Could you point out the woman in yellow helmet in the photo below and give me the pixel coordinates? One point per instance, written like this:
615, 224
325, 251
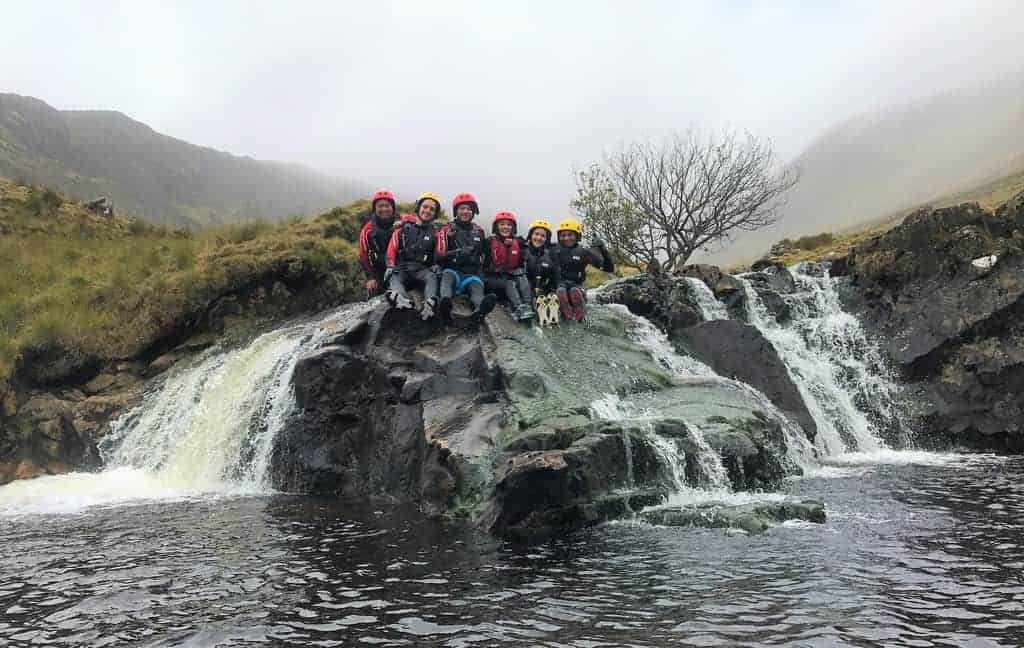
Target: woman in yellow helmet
573, 259
542, 271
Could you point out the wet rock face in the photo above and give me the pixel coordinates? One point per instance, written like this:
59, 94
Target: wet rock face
380, 413
945, 292
497, 423
737, 350
45, 432
751, 518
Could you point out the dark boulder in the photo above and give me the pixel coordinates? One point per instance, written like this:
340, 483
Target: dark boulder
740, 351
944, 291
665, 300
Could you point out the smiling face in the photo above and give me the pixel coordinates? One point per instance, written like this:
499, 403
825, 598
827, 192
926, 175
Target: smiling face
538, 237
383, 209
464, 213
567, 238
504, 228
428, 210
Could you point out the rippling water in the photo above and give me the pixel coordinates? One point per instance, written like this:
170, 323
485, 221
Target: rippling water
924, 550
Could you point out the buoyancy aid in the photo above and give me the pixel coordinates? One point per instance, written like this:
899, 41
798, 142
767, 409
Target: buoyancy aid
412, 245
541, 269
468, 237
506, 254
373, 244
573, 262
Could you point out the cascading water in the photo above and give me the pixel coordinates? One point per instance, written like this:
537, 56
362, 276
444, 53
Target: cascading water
206, 428
661, 349
710, 308
838, 370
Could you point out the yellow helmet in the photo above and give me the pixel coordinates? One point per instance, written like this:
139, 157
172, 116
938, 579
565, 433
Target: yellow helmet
428, 195
572, 225
543, 224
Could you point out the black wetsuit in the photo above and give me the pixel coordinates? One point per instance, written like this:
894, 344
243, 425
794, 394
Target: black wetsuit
411, 255
573, 262
542, 271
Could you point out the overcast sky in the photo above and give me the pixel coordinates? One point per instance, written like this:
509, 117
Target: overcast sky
503, 99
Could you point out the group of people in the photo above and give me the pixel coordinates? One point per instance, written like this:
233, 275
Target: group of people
444, 261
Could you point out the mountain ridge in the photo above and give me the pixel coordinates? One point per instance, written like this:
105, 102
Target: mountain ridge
86, 153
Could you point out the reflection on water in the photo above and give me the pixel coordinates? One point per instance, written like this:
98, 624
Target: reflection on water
917, 554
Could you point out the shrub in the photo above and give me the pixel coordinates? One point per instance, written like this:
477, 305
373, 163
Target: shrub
138, 227
814, 242
51, 201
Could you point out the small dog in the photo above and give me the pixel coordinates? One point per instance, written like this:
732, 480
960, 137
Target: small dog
547, 310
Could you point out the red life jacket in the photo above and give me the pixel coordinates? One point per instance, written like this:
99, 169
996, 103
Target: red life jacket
505, 255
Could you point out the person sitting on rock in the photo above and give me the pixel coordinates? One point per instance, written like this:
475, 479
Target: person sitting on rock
410, 256
506, 270
573, 259
542, 272
462, 251
374, 239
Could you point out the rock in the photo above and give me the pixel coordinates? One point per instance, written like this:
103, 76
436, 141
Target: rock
666, 300
740, 351
944, 292
99, 384
163, 363
723, 285
752, 518
50, 364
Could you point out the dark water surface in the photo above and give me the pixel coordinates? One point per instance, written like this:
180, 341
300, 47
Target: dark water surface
912, 555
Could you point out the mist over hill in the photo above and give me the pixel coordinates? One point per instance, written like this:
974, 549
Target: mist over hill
88, 153
873, 165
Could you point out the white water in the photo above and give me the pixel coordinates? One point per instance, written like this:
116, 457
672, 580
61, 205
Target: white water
207, 429
711, 308
829, 359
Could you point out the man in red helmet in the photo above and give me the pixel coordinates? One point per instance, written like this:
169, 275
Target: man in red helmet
462, 252
506, 271
410, 258
374, 239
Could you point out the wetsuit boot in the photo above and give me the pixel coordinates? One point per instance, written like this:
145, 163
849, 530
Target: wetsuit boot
564, 306
485, 307
444, 309
579, 304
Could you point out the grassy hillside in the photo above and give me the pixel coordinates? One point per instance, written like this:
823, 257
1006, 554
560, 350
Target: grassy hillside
103, 153
111, 288
989, 195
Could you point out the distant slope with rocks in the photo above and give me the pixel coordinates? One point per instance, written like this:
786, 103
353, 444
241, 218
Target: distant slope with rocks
88, 153
873, 165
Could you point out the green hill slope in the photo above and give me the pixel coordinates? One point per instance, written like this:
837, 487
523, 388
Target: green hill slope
102, 153
79, 289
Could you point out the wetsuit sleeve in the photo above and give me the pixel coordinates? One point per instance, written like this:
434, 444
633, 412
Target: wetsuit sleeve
393, 248
364, 249
441, 252
599, 260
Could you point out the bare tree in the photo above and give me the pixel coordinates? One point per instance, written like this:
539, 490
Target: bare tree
664, 201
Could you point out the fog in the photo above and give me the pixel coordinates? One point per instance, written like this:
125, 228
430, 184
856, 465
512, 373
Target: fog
501, 99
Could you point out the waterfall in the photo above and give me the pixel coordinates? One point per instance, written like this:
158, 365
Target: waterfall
837, 370
213, 423
207, 426
710, 308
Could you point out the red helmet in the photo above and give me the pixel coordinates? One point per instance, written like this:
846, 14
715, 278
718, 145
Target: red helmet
382, 194
500, 216
464, 197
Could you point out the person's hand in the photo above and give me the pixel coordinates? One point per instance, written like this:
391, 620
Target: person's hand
371, 285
